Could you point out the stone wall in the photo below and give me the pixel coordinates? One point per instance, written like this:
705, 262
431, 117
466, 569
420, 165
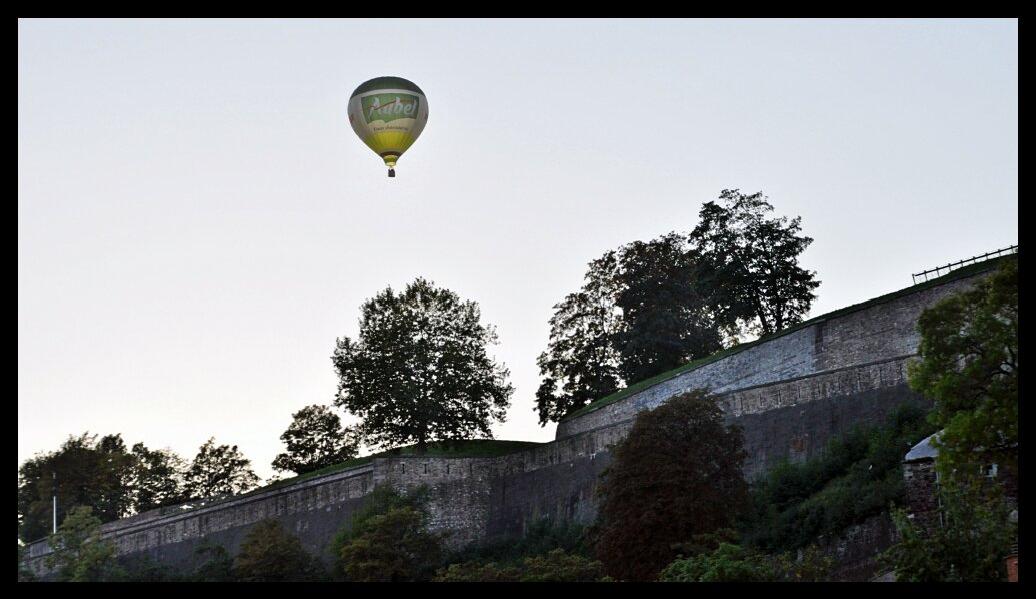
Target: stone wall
879, 331
790, 394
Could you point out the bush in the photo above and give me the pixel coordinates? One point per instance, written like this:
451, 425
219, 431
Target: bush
270, 554
388, 540
79, 553
676, 475
214, 564
541, 536
857, 476
554, 566
733, 563
478, 572
968, 545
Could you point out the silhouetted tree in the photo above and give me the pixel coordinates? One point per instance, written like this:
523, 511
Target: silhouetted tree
666, 314
642, 310
676, 476
751, 262
87, 472
156, 478
218, 470
316, 439
581, 355
419, 370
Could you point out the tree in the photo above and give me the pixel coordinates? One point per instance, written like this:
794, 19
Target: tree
581, 355
667, 314
156, 478
388, 540
79, 554
642, 310
419, 370
86, 472
751, 262
218, 470
968, 545
676, 475
316, 439
270, 554
969, 366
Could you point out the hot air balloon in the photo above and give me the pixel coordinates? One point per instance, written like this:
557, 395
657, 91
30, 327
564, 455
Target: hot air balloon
388, 113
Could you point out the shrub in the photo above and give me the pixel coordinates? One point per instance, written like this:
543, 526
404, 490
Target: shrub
388, 540
676, 475
270, 554
856, 477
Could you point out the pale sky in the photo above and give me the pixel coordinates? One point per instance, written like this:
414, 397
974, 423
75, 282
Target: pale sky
197, 221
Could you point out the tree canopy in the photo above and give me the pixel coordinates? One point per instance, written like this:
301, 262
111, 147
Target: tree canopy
419, 370
650, 306
218, 470
969, 366
316, 439
675, 476
87, 471
750, 262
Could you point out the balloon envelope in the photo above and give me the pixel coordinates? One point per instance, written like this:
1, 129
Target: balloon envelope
388, 114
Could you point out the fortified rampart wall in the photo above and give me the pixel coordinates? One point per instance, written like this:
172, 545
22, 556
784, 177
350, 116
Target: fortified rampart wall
790, 394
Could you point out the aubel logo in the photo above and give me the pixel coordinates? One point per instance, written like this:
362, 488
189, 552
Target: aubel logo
389, 107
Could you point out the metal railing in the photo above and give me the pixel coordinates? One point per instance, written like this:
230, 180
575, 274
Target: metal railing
941, 270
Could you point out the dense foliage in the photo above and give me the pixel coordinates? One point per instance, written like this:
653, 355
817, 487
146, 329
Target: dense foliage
388, 539
218, 470
732, 563
419, 370
540, 537
156, 478
212, 563
969, 367
750, 262
857, 476
271, 554
676, 475
973, 536
648, 307
79, 554
85, 472
556, 565
316, 439
581, 357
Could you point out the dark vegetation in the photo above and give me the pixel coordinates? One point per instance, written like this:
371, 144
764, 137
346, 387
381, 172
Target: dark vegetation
969, 367
857, 476
676, 475
650, 306
673, 505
